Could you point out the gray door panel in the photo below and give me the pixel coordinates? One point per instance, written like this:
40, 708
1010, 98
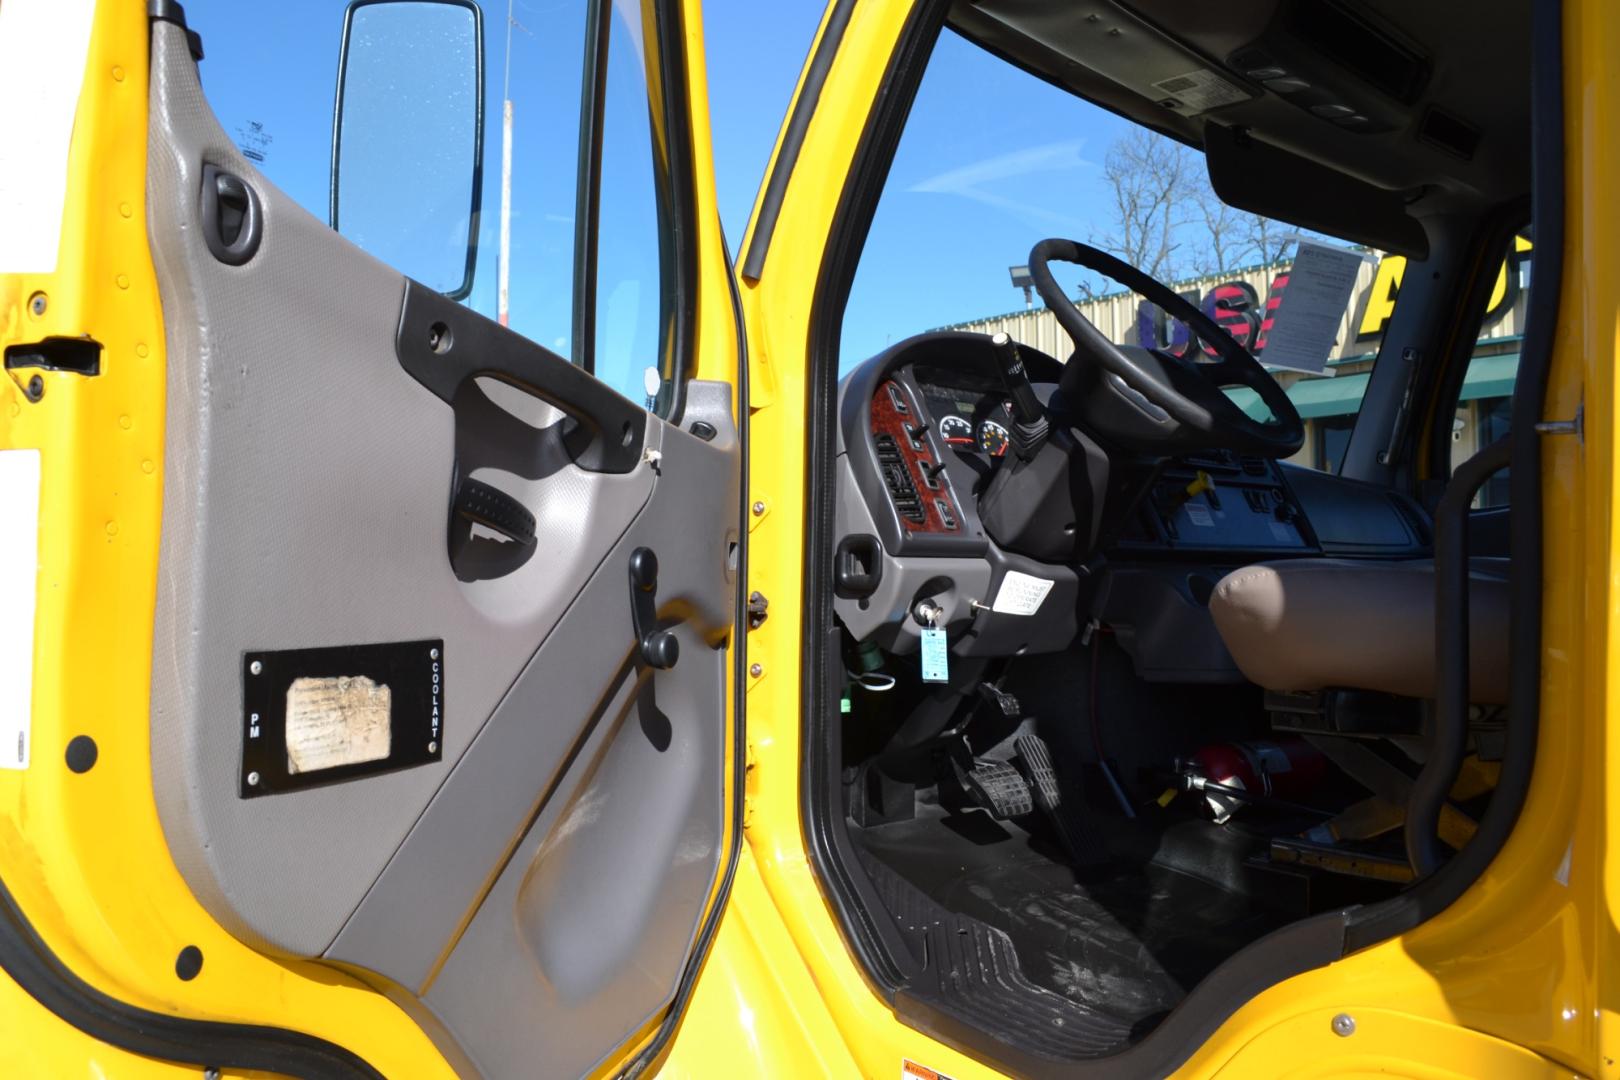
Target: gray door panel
476, 823
578, 798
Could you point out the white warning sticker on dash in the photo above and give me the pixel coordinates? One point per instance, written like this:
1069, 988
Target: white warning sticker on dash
1020, 594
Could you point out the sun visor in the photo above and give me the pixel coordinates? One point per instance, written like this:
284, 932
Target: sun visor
1262, 179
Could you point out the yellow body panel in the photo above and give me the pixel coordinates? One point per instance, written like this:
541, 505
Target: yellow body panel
1506, 981
85, 854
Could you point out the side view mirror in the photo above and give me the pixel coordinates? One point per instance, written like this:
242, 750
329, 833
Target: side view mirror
408, 137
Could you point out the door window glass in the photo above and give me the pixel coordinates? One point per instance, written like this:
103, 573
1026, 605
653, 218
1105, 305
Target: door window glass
994, 159
632, 318
270, 81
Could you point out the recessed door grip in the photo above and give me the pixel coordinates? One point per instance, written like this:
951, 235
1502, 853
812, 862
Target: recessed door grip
657, 648
232, 219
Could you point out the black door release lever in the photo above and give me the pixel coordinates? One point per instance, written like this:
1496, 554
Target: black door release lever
657, 648
232, 219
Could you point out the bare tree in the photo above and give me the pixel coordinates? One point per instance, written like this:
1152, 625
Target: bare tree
1267, 238
1167, 219
1147, 176
1225, 231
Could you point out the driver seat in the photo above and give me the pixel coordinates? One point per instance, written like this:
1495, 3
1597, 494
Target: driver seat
1316, 624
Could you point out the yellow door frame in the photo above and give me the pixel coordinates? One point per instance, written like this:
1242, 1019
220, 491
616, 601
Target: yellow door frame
1512, 978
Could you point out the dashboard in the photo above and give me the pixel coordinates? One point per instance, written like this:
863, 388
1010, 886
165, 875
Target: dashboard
968, 409
923, 430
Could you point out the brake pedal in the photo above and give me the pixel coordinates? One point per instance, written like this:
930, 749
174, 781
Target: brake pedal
999, 788
1082, 845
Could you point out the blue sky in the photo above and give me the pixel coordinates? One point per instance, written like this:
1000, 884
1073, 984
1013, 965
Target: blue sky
992, 160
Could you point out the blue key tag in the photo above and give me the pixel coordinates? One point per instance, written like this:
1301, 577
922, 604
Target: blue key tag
936, 662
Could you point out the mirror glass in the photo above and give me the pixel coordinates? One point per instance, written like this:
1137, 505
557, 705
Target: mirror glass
408, 136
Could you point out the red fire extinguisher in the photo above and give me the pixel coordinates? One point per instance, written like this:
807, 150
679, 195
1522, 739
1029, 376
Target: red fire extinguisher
1287, 769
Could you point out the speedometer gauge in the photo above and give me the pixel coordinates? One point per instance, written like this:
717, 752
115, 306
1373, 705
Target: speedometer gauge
956, 431
992, 438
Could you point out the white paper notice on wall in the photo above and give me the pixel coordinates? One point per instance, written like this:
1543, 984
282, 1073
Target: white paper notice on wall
1306, 326
19, 554
1020, 594
43, 45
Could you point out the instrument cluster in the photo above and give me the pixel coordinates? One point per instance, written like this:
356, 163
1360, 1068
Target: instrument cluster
969, 408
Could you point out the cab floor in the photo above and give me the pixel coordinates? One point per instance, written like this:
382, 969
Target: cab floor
1124, 939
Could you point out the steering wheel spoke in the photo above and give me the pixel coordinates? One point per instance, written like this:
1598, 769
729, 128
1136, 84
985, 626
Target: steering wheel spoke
1192, 396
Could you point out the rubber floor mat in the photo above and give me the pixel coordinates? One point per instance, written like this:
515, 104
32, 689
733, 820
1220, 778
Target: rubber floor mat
1128, 941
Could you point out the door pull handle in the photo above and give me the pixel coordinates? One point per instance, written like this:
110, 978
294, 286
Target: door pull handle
232, 218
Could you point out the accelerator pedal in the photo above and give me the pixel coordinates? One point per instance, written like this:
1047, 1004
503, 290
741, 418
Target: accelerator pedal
999, 788
1083, 846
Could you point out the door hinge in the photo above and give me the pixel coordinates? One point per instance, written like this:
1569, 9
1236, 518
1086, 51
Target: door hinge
757, 605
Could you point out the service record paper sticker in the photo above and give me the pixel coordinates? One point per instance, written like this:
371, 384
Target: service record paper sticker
340, 720
1020, 594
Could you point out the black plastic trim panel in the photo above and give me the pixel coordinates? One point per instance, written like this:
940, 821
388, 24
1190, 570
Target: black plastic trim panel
587, 179
443, 344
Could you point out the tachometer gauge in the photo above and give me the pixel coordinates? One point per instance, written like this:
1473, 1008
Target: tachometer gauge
992, 438
956, 431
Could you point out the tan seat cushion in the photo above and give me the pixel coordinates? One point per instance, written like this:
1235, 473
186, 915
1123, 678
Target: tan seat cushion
1311, 624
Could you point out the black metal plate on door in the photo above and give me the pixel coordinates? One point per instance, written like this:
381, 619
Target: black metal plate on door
342, 699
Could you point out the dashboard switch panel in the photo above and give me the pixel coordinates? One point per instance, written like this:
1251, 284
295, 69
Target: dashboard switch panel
908, 469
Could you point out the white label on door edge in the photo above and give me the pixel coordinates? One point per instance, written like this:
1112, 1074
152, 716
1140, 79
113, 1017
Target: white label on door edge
19, 553
1020, 594
43, 45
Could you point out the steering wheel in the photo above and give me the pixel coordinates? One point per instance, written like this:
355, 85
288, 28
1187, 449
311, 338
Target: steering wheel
1189, 391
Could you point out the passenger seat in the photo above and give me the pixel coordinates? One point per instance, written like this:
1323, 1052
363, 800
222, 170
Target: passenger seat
1314, 624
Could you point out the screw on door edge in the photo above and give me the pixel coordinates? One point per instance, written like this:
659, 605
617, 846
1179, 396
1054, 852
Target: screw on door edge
1344, 1025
